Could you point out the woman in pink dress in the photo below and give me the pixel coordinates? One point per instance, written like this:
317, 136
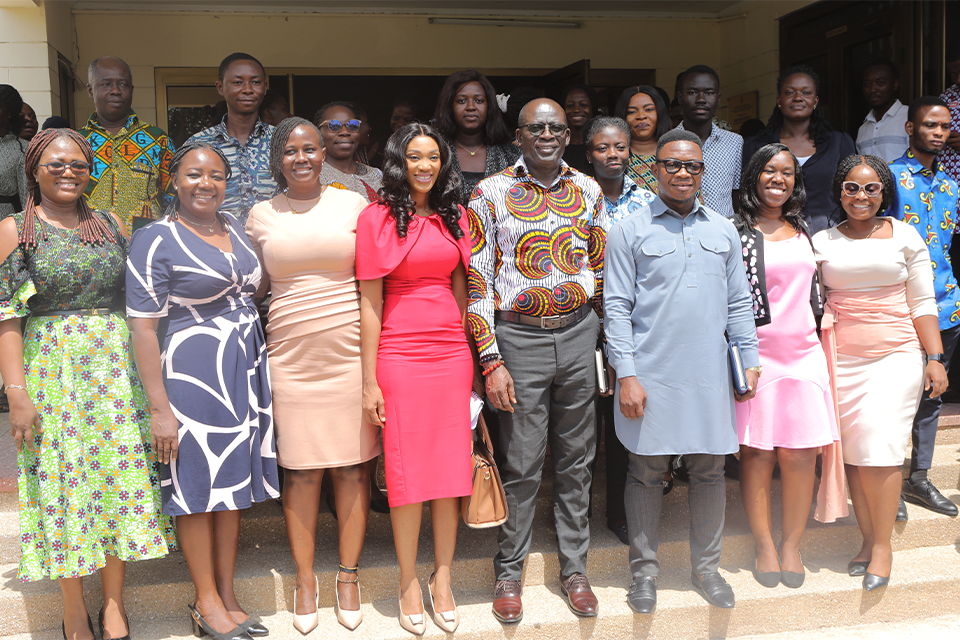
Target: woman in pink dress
792, 415
413, 249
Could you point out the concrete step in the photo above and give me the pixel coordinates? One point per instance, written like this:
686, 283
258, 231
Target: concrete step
925, 583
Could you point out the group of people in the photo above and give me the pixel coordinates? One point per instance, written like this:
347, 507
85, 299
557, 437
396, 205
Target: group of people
143, 386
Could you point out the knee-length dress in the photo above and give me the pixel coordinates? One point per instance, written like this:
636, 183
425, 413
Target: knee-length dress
313, 330
793, 408
875, 288
424, 364
91, 489
214, 365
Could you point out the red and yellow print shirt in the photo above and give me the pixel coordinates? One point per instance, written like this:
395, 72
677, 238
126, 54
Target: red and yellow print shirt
536, 249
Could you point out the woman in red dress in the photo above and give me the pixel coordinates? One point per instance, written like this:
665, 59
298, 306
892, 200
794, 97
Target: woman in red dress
413, 249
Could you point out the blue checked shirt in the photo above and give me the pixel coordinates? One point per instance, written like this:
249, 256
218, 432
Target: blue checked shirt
632, 198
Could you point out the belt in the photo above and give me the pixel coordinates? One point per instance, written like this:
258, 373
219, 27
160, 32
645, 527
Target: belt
77, 312
544, 322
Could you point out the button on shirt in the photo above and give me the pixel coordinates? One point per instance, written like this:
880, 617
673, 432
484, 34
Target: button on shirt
950, 157
537, 249
928, 200
722, 155
886, 138
633, 198
672, 286
251, 181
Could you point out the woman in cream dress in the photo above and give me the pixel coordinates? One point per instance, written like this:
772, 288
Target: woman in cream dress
880, 311
306, 239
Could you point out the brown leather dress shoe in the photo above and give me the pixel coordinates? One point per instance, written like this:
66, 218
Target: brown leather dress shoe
580, 596
506, 601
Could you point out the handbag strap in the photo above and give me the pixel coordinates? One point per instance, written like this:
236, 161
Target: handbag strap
484, 433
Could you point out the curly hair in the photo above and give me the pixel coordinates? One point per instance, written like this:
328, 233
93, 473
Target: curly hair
663, 112
820, 127
91, 228
878, 165
495, 131
749, 200
395, 189
278, 144
173, 209
11, 106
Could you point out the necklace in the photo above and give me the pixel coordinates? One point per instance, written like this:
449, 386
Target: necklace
472, 153
877, 225
196, 223
290, 204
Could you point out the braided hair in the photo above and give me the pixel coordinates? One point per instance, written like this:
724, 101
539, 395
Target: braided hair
173, 209
11, 106
278, 144
878, 165
395, 192
92, 229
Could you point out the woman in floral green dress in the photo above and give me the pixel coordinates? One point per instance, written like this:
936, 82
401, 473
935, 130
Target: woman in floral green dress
88, 478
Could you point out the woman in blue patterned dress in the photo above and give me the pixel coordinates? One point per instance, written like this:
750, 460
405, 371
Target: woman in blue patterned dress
88, 479
193, 274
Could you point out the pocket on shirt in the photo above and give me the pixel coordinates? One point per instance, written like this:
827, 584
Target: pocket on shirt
660, 259
713, 256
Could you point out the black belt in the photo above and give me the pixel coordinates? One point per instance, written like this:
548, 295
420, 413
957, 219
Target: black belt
544, 322
77, 312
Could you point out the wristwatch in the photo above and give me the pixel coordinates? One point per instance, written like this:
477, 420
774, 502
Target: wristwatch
935, 357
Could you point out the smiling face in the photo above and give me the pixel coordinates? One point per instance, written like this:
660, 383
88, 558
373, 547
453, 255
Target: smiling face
470, 107
67, 188
112, 90
423, 164
243, 86
678, 190
577, 108
642, 117
776, 181
861, 207
699, 97
798, 97
201, 182
609, 152
340, 145
302, 158
542, 152
929, 130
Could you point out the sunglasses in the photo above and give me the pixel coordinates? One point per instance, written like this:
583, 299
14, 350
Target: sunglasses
693, 167
537, 128
872, 189
335, 125
56, 168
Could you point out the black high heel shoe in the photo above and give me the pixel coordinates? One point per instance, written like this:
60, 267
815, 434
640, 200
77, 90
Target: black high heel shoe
103, 635
201, 628
63, 629
253, 627
871, 581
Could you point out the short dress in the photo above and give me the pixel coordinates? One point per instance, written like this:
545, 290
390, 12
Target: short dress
793, 407
424, 364
92, 488
313, 330
214, 365
875, 288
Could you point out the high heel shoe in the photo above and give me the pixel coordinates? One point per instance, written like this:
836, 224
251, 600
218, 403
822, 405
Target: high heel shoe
792, 579
446, 620
769, 579
307, 622
201, 628
63, 629
857, 568
871, 581
414, 623
103, 634
350, 619
254, 628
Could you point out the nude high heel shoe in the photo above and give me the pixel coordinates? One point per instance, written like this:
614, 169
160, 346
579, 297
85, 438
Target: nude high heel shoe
307, 622
350, 619
446, 620
414, 623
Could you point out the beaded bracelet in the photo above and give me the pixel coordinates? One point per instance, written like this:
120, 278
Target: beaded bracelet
16, 386
496, 365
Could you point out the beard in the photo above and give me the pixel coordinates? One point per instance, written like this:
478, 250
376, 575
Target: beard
928, 150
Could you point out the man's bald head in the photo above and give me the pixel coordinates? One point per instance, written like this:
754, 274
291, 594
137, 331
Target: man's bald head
111, 87
546, 105
112, 62
543, 136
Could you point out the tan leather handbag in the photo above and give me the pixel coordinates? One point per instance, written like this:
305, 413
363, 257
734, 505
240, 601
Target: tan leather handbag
487, 505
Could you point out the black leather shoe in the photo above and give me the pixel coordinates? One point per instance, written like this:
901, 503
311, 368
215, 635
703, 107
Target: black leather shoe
926, 495
254, 628
642, 597
714, 590
902, 510
857, 568
871, 582
619, 530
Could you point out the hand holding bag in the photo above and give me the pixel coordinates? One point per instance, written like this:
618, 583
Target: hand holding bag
487, 505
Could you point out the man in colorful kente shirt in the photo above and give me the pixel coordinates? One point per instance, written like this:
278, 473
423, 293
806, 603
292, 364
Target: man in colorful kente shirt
926, 197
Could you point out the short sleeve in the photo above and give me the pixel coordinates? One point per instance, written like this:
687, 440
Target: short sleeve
16, 287
148, 274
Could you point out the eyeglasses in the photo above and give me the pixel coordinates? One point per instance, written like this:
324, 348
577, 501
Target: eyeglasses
336, 125
537, 128
693, 167
56, 168
872, 189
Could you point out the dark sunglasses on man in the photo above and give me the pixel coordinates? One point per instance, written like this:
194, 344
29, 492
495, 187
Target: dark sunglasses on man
693, 167
56, 168
335, 125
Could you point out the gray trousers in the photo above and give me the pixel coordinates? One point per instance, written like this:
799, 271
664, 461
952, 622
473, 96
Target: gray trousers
555, 377
644, 498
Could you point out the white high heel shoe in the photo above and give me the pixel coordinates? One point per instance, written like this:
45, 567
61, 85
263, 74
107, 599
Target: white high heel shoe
446, 620
307, 622
414, 623
350, 619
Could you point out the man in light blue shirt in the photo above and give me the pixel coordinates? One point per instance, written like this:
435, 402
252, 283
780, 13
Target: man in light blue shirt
674, 283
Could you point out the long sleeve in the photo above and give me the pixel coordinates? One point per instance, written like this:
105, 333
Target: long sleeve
166, 189
740, 322
599, 223
480, 279
619, 300
920, 295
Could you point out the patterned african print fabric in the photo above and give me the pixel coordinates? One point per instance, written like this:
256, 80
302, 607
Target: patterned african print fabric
928, 200
131, 170
537, 249
251, 181
365, 182
632, 199
949, 157
214, 364
640, 170
91, 489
